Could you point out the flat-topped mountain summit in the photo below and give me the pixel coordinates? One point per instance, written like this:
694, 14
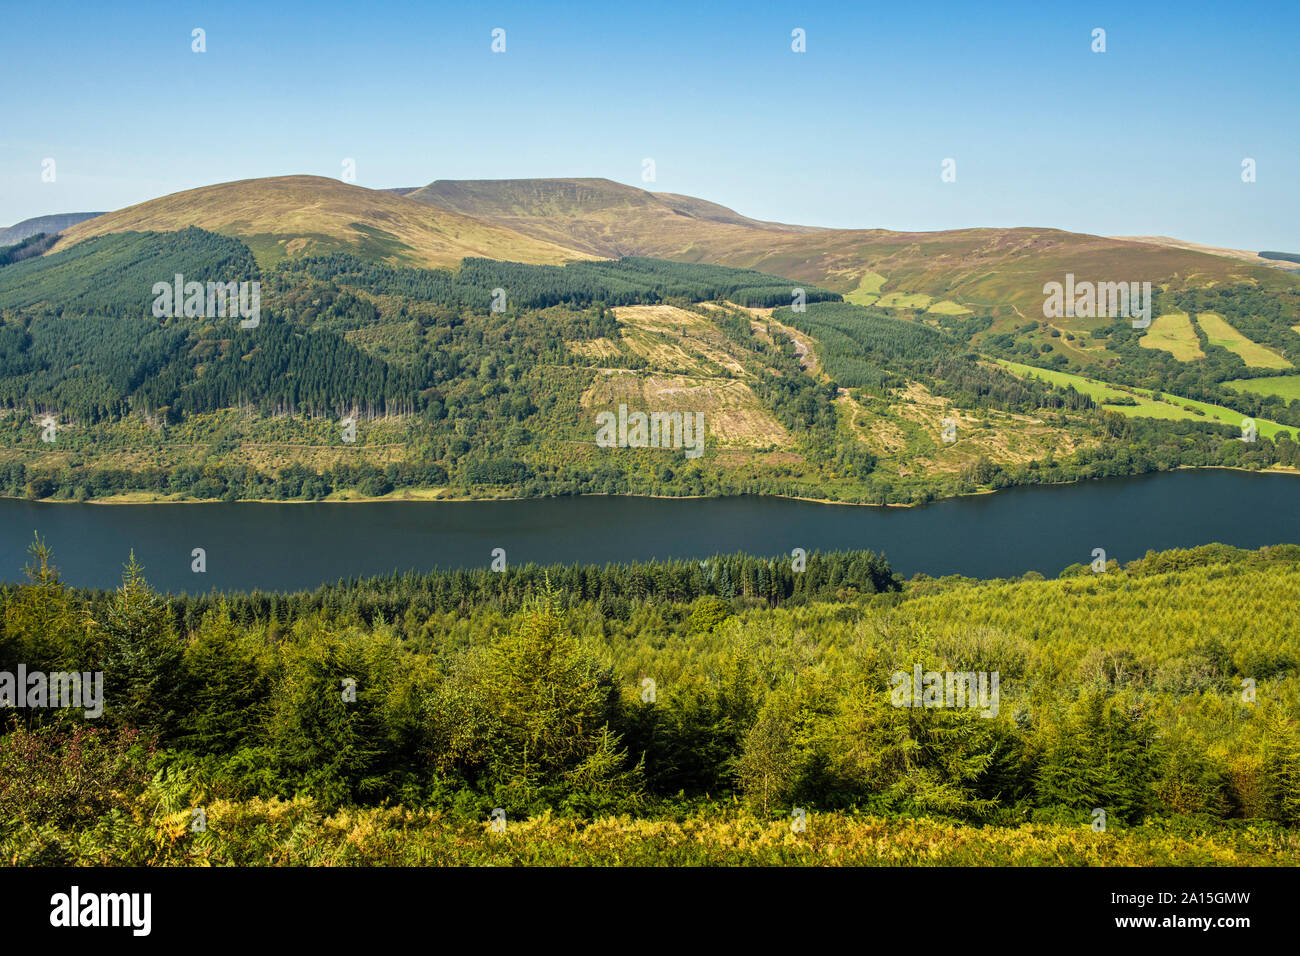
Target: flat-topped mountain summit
305, 215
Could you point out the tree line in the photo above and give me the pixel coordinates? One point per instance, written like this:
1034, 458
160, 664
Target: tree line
533, 698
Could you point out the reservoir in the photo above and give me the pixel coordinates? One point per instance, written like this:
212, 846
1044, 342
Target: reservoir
295, 546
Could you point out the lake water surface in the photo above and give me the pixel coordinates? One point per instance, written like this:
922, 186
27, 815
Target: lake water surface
297, 545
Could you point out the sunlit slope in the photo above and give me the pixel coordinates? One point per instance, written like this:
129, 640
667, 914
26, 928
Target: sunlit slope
558, 220
1254, 258
985, 268
601, 217
311, 215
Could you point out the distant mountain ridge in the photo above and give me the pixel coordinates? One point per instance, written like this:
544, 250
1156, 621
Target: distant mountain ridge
310, 215
551, 221
1273, 259
981, 267
48, 224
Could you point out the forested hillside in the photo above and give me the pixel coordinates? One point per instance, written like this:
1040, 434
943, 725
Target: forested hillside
362, 378
115, 275
35, 245
610, 712
627, 281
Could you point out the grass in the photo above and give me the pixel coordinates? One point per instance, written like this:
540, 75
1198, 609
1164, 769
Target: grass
948, 308
1152, 408
904, 300
1284, 386
1097, 391
1220, 333
868, 290
1173, 333
295, 215
1160, 405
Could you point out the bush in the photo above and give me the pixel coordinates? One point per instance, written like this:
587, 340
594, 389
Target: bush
67, 774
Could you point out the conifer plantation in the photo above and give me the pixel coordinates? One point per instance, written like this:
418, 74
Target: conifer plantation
674, 712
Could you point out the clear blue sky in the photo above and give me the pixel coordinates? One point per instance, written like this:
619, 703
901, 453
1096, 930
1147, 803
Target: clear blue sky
1147, 138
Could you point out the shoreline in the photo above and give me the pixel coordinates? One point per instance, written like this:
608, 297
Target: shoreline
433, 496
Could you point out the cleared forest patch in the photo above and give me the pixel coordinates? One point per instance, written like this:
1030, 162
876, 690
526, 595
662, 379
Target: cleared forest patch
670, 337
733, 414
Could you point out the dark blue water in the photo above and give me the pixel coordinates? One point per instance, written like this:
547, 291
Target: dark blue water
294, 546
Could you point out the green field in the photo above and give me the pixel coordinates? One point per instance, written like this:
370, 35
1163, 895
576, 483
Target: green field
1174, 334
1220, 333
1098, 391
1284, 386
904, 300
868, 290
1160, 405
948, 308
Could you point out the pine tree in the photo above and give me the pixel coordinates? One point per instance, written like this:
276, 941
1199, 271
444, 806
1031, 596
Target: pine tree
43, 628
142, 666
545, 708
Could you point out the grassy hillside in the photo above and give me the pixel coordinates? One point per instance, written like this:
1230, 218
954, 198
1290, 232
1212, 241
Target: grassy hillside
1284, 386
600, 217
1279, 260
302, 215
671, 713
978, 268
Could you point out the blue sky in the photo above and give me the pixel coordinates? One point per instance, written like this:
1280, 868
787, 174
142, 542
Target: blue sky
1146, 138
